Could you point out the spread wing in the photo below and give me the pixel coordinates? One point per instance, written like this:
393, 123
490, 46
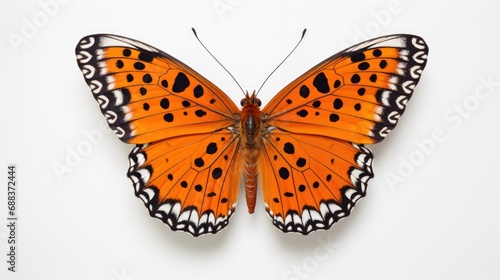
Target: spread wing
315, 166
185, 166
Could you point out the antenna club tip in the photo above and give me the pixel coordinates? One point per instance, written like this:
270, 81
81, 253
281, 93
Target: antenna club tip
194, 31
304, 32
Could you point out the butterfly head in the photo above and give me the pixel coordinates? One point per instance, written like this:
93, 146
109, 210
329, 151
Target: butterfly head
250, 99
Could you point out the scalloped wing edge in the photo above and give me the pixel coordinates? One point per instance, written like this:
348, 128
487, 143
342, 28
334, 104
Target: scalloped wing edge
169, 211
330, 211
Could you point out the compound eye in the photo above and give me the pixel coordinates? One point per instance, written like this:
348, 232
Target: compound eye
243, 102
257, 101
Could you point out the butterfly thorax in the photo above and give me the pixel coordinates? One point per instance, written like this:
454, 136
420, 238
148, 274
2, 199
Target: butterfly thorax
251, 137
250, 122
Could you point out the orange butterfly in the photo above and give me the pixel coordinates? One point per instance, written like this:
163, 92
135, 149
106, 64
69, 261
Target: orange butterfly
305, 148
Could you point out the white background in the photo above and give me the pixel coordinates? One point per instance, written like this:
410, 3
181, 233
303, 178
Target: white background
431, 212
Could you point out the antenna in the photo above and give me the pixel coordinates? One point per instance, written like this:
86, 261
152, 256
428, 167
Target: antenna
196, 35
301, 37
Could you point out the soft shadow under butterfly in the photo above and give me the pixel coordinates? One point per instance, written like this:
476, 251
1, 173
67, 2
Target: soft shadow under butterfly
304, 149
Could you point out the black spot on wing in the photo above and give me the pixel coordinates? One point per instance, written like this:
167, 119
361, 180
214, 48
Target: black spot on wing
181, 83
320, 82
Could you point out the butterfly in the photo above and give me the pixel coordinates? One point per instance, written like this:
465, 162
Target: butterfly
305, 149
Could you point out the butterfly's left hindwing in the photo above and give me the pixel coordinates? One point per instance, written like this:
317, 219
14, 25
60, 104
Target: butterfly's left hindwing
189, 182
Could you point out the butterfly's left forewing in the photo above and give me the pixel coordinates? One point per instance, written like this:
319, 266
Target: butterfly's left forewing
148, 95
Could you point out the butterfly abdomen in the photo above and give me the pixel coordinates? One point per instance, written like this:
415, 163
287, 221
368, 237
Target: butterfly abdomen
250, 176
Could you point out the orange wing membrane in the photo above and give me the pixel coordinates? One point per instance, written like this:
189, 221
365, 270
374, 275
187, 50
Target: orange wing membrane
305, 149
146, 94
315, 166
181, 121
189, 182
310, 182
357, 95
